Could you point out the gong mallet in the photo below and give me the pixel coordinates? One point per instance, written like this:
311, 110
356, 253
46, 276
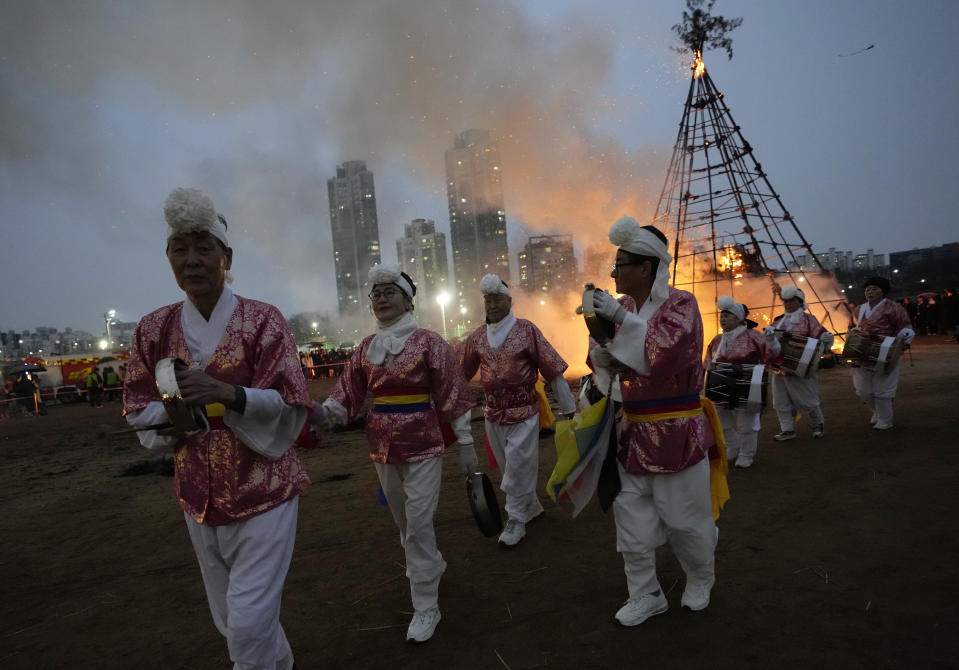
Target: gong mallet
106, 430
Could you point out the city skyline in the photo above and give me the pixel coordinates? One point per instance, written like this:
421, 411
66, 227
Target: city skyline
106, 108
477, 216
355, 232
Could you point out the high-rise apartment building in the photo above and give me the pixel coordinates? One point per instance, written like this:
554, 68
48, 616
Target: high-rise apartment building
474, 190
422, 255
547, 265
356, 235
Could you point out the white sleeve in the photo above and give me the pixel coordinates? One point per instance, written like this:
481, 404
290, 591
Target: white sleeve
152, 415
461, 426
907, 335
567, 402
268, 425
629, 345
336, 414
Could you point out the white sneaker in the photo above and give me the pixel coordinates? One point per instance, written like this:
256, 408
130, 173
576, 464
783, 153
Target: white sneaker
635, 612
818, 431
883, 425
743, 462
785, 435
512, 533
423, 624
696, 597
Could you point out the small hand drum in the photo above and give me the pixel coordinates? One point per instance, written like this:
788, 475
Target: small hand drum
483, 503
183, 417
600, 328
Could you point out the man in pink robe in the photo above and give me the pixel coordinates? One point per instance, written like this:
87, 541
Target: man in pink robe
880, 317
510, 354
237, 477
664, 437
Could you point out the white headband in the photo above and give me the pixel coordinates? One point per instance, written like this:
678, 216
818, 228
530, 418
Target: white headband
189, 210
727, 304
390, 274
490, 284
627, 234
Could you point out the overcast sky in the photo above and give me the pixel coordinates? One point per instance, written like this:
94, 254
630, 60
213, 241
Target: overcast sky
107, 105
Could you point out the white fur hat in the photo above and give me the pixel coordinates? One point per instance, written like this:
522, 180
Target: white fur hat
727, 304
493, 284
387, 273
791, 292
189, 210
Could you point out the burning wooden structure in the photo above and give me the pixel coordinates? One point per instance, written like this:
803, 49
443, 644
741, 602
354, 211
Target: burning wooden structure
729, 231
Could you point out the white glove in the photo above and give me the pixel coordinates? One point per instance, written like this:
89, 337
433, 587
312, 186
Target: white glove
607, 306
318, 418
467, 459
906, 335
769, 332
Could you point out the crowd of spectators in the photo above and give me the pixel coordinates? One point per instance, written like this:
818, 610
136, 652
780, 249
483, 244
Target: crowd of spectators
317, 363
934, 313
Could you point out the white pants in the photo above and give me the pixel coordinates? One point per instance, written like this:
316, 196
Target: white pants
412, 491
653, 509
792, 394
741, 429
516, 448
877, 390
244, 565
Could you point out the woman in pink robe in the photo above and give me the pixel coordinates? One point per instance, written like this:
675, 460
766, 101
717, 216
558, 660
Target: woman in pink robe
417, 386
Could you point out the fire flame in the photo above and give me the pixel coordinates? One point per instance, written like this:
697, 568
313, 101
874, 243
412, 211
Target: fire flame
698, 66
731, 262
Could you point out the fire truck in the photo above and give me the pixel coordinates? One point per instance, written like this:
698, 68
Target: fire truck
64, 378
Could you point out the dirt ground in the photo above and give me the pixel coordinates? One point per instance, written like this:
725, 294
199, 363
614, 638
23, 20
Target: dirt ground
836, 553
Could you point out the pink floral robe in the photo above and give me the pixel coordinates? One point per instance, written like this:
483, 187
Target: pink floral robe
674, 343
508, 374
427, 375
219, 480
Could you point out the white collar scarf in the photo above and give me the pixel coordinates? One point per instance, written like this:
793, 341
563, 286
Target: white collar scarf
202, 336
496, 333
391, 338
728, 338
790, 319
865, 311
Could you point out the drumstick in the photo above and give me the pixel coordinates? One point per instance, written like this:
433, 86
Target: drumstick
106, 430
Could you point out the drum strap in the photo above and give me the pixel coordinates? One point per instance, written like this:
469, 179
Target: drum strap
884, 348
807, 353
755, 399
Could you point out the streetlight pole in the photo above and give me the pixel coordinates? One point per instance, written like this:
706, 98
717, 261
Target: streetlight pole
442, 299
108, 317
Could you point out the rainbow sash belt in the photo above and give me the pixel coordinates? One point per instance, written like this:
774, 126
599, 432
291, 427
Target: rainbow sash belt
399, 400
658, 409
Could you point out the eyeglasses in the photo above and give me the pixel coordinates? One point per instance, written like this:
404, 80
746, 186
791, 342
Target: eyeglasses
388, 293
621, 265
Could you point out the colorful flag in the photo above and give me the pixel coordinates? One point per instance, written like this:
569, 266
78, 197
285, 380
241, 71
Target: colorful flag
581, 445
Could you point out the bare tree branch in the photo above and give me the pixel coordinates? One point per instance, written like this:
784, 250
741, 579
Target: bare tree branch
700, 28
